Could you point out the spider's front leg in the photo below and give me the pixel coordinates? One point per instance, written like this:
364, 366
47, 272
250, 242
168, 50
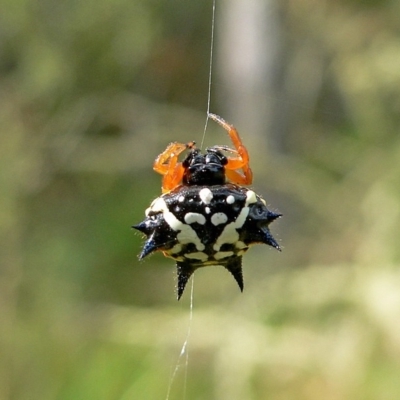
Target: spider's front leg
167, 164
241, 161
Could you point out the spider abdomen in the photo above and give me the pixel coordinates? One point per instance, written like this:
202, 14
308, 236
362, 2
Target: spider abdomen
206, 225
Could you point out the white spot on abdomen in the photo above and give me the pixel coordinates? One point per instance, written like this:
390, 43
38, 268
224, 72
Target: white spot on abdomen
230, 199
219, 218
241, 219
191, 218
176, 249
197, 256
251, 197
206, 195
223, 254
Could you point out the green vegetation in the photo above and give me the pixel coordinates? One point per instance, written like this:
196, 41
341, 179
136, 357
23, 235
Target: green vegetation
90, 93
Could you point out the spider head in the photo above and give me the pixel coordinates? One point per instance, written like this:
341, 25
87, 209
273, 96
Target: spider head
204, 169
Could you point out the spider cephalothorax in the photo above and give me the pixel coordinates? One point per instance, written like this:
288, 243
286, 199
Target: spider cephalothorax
207, 169
204, 216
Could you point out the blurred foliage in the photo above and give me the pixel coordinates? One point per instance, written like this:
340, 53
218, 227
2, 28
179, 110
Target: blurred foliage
90, 93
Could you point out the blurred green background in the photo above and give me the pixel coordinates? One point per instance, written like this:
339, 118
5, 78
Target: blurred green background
92, 91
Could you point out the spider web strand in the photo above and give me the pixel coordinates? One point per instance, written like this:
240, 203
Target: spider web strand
184, 350
209, 73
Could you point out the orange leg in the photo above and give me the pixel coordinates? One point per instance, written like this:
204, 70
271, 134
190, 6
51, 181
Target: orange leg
167, 164
241, 160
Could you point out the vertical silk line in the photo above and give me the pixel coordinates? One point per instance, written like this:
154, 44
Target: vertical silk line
187, 338
184, 350
209, 73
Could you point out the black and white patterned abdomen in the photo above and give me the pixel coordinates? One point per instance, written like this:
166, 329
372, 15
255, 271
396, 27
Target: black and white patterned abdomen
207, 225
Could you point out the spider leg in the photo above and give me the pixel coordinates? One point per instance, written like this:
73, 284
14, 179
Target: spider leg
239, 161
224, 148
167, 164
164, 160
236, 177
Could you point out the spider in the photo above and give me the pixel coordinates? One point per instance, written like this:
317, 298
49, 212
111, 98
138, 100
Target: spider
210, 169
205, 215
